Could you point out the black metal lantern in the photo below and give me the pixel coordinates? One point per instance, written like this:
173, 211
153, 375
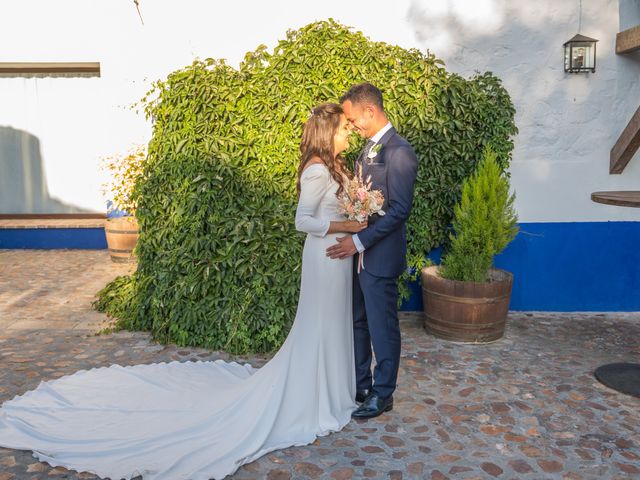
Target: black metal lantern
580, 54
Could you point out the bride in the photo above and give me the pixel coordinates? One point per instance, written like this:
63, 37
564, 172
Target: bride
204, 420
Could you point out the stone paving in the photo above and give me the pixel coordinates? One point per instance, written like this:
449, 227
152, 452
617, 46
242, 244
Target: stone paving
525, 407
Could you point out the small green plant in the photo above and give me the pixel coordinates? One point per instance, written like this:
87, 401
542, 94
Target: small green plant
117, 300
484, 223
124, 171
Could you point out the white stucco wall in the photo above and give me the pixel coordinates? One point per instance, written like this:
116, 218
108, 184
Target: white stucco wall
567, 123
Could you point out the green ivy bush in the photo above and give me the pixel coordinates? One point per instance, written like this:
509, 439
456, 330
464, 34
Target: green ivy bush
219, 257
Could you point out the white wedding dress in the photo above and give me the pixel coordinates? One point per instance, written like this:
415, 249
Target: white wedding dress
204, 420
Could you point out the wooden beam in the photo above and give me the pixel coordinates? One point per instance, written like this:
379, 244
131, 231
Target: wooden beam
628, 40
49, 69
626, 145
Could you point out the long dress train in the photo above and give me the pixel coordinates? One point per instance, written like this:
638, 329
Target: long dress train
202, 420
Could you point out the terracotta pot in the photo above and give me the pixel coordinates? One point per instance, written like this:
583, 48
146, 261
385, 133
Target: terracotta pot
467, 312
122, 235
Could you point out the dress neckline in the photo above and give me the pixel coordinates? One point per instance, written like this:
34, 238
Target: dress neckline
313, 165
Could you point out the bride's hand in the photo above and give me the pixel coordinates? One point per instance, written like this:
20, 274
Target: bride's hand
354, 226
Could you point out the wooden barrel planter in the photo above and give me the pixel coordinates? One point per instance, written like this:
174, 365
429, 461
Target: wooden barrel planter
122, 235
466, 311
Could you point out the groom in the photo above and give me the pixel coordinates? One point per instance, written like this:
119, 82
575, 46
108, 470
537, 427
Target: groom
392, 164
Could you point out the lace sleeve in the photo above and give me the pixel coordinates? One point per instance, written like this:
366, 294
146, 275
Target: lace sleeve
314, 183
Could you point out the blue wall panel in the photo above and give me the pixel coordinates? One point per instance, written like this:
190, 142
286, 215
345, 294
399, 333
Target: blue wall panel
52, 238
583, 266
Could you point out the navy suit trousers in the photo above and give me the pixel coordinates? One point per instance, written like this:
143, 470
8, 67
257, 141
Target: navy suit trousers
375, 321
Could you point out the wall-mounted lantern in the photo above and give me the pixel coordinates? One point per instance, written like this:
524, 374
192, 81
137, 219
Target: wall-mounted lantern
580, 54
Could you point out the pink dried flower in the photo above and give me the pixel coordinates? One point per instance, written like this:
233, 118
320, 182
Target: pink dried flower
358, 201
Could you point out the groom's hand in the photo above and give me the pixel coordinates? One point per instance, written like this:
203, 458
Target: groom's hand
343, 249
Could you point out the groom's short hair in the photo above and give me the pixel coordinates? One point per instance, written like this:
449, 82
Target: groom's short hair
364, 93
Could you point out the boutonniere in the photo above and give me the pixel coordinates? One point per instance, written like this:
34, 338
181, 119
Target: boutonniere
373, 153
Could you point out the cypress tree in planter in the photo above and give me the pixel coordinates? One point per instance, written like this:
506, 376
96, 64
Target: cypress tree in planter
466, 299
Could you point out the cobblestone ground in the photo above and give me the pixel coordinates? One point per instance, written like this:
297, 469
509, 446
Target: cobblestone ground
525, 407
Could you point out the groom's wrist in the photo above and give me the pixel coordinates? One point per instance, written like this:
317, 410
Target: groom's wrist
357, 243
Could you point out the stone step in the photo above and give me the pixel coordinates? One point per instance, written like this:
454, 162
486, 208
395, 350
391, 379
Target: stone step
51, 223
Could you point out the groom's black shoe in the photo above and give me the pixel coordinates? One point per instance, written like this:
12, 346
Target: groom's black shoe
361, 395
373, 406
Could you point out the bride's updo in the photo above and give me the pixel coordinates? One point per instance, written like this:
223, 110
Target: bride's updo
317, 141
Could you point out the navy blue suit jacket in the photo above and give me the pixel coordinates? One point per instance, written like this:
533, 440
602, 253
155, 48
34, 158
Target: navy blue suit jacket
393, 170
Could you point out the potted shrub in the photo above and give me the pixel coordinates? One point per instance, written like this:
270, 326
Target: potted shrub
465, 298
121, 227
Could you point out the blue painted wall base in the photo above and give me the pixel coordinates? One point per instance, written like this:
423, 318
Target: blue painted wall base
583, 266
587, 266
53, 238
